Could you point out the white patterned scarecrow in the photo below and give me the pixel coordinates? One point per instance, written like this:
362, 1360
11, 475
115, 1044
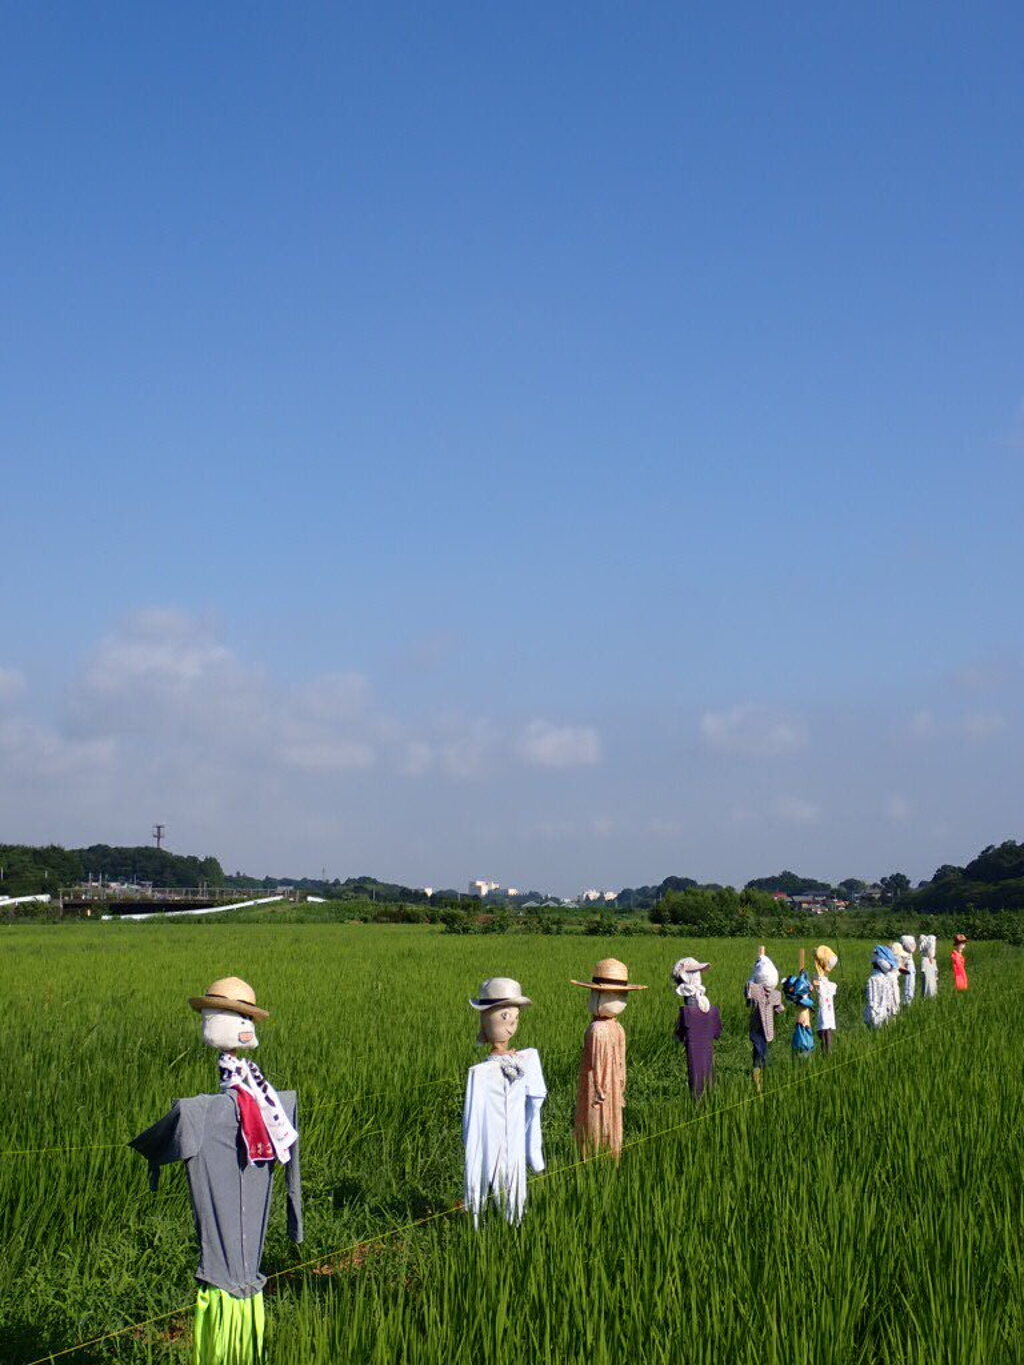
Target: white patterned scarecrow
929, 966
825, 962
230, 1144
878, 994
501, 1130
908, 967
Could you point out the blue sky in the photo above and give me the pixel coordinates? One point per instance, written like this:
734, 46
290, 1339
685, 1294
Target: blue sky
565, 444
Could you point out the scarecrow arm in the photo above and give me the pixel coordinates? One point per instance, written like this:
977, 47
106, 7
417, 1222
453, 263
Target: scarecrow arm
293, 1183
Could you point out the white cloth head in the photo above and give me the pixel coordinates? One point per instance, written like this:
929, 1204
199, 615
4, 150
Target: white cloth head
909, 943
686, 975
228, 1032
928, 945
765, 973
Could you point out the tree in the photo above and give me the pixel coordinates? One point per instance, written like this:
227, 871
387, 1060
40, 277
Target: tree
894, 886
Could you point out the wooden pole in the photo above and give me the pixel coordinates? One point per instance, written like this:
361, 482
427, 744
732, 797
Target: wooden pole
802, 959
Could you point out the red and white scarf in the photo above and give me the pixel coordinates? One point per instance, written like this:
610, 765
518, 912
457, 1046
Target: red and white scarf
265, 1126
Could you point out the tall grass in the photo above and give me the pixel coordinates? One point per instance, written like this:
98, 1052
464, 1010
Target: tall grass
866, 1209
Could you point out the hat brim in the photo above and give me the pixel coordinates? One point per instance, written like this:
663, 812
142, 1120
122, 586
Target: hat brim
520, 1000
226, 1006
603, 986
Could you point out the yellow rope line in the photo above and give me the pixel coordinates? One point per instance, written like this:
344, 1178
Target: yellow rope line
314, 1109
557, 1170
95, 1341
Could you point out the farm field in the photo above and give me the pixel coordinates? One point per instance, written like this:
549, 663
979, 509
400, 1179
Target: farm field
867, 1208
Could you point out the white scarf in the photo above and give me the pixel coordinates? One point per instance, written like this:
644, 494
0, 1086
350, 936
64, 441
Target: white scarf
239, 1074
691, 987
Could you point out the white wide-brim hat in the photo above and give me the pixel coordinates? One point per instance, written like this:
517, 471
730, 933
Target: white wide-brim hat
690, 964
500, 990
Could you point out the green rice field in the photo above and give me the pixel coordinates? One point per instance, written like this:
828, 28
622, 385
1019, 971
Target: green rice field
868, 1208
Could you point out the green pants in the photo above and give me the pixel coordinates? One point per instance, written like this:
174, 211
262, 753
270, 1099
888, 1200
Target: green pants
228, 1331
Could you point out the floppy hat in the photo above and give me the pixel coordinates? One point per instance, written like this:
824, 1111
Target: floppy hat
689, 964
500, 990
232, 995
959, 938
609, 975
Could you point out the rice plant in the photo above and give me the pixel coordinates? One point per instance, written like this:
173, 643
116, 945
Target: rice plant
866, 1208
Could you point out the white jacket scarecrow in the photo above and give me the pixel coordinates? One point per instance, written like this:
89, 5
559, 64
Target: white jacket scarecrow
230, 1144
908, 967
880, 1005
929, 967
501, 1129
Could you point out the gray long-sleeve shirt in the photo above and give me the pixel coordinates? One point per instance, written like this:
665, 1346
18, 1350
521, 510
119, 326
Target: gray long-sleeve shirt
230, 1198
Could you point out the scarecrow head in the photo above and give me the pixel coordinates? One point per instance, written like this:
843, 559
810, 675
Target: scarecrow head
609, 988
498, 1003
883, 959
909, 944
229, 1012
688, 983
825, 959
765, 972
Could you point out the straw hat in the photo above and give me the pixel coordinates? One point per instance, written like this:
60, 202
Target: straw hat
609, 975
500, 990
232, 995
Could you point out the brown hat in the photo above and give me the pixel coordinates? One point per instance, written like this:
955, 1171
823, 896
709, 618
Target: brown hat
959, 938
232, 995
609, 975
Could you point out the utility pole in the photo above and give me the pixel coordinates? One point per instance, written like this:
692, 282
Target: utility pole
158, 834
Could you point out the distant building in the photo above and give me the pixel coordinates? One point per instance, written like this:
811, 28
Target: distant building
483, 888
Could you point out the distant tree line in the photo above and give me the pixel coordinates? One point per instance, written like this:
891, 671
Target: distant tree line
991, 883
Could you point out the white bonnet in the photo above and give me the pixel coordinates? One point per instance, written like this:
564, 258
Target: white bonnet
765, 973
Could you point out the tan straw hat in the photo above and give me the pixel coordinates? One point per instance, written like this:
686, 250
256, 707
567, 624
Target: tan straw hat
232, 995
609, 975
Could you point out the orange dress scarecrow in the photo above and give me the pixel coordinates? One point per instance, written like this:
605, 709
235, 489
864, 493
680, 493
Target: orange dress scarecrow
601, 1096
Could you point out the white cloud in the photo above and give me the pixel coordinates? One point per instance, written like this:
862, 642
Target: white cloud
543, 745
329, 755
12, 684
794, 810
921, 724
417, 759
897, 808
470, 752
982, 725
753, 731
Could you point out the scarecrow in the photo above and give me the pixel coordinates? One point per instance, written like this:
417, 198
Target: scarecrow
893, 981
825, 961
601, 1095
765, 1002
929, 967
878, 1009
230, 1143
959, 962
501, 1129
797, 990
699, 1024
908, 967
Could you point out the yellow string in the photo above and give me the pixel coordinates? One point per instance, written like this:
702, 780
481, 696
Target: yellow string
558, 1170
